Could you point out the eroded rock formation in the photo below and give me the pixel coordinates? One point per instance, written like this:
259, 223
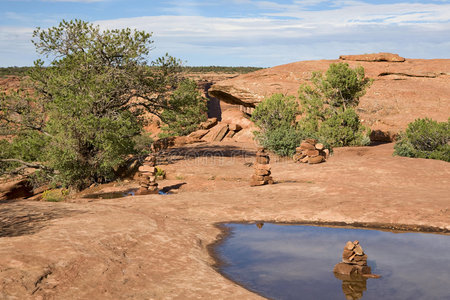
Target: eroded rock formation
400, 93
382, 56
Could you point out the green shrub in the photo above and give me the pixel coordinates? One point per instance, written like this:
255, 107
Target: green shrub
425, 138
186, 110
328, 106
56, 195
327, 112
275, 117
344, 129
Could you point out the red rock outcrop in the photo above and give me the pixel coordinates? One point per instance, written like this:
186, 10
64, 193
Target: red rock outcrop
400, 93
382, 56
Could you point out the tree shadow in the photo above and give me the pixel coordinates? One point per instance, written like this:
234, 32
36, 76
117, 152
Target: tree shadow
21, 218
170, 156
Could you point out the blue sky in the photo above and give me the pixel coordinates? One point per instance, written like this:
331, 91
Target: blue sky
244, 32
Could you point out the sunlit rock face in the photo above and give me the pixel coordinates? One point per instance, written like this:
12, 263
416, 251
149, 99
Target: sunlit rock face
401, 91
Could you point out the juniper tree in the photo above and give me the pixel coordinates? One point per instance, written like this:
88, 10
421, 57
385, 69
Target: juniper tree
85, 108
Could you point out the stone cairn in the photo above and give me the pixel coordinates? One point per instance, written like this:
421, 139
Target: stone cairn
312, 152
353, 271
354, 261
147, 177
262, 169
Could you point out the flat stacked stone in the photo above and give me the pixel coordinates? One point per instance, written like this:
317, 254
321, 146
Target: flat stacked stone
147, 177
354, 260
262, 169
312, 152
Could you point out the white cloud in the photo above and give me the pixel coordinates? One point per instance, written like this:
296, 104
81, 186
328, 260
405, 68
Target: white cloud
288, 33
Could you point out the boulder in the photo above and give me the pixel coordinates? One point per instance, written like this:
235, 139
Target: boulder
221, 134
15, 189
199, 133
217, 133
234, 127
211, 122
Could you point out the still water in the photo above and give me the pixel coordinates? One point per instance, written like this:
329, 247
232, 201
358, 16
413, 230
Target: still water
296, 262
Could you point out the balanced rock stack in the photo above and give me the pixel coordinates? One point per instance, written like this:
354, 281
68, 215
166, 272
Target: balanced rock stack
312, 152
354, 260
262, 169
147, 177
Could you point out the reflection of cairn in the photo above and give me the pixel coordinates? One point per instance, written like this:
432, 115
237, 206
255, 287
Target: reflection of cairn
147, 176
311, 152
262, 169
353, 286
354, 261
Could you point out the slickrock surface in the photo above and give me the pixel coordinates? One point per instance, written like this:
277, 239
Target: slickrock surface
156, 247
400, 93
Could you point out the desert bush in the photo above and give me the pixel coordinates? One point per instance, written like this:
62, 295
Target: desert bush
344, 129
425, 138
186, 109
326, 112
275, 117
328, 106
56, 195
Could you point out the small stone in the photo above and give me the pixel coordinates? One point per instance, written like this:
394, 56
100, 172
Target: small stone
262, 172
349, 246
258, 178
257, 182
261, 167
347, 253
319, 146
315, 160
146, 169
358, 250
312, 153
234, 127
262, 160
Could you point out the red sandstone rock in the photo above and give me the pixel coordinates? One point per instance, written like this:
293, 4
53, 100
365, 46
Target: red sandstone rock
389, 104
374, 57
209, 123
315, 160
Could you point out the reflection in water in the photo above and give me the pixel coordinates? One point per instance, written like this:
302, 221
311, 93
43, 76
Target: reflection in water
296, 262
353, 286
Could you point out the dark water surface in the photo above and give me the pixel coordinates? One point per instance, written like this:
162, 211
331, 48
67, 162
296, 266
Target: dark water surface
296, 262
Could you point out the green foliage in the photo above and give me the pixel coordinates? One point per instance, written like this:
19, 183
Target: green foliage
88, 105
160, 173
220, 69
186, 109
425, 138
343, 129
275, 117
327, 106
56, 195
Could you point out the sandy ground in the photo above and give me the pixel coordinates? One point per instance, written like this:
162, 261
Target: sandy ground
157, 247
